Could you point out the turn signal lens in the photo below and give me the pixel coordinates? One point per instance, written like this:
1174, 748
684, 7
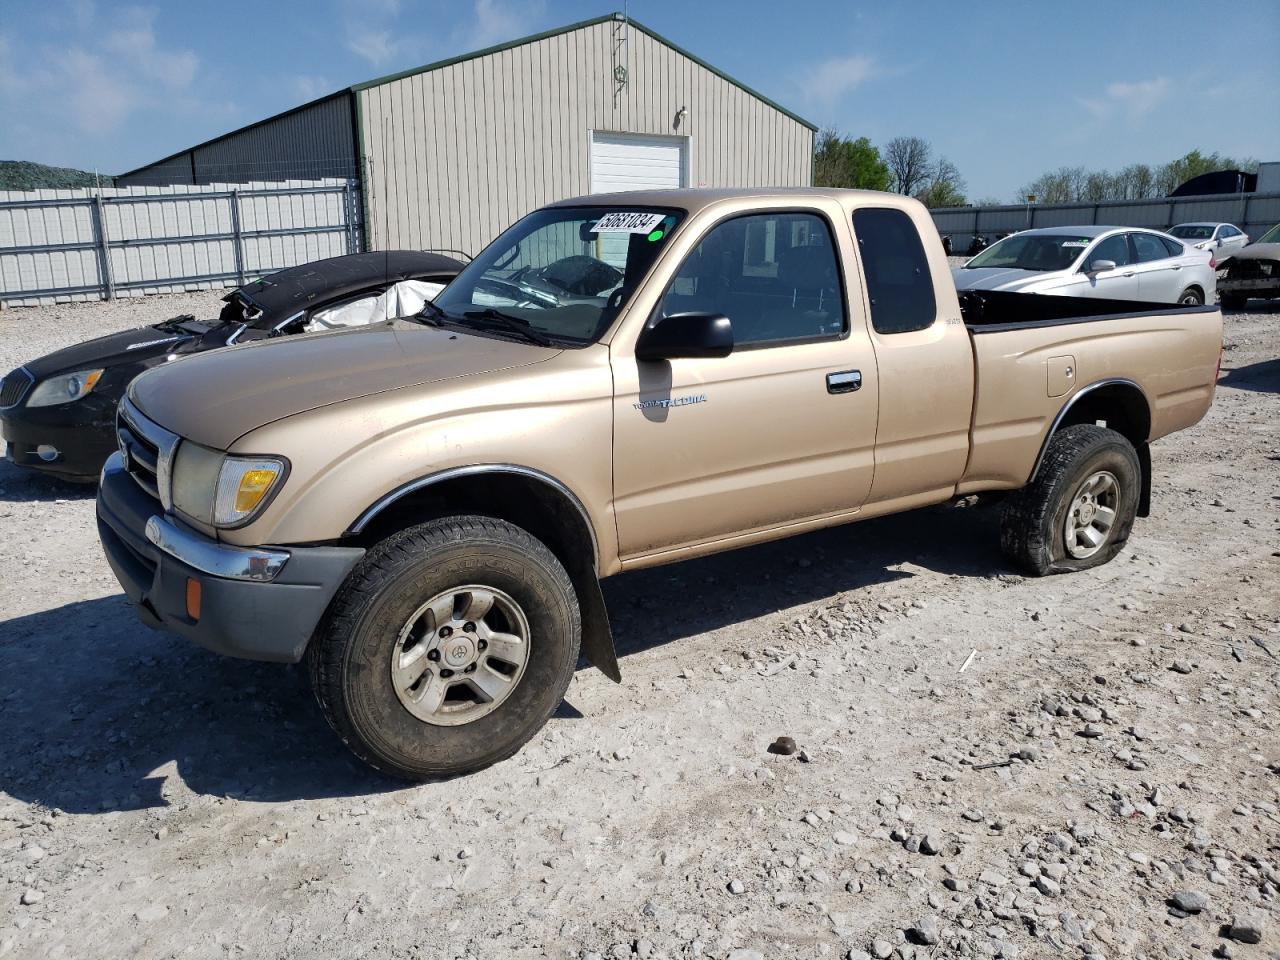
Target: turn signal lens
253, 487
243, 487
193, 598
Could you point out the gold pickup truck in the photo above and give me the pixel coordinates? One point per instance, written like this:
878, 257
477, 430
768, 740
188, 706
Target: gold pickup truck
423, 509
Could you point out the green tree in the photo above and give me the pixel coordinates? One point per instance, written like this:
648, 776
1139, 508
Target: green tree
842, 162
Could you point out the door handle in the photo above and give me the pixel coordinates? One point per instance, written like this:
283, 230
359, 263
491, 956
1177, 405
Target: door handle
1176, 266
1129, 274
846, 381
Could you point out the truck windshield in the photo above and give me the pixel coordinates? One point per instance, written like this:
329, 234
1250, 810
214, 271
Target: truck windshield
1271, 236
1032, 251
560, 275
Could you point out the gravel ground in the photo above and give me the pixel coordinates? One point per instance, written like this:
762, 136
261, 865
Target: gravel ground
989, 765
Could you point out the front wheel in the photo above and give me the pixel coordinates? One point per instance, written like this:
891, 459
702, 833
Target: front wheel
1078, 511
449, 646
1191, 297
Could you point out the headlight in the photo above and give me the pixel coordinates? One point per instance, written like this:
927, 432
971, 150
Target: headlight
221, 490
64, 388
243, 485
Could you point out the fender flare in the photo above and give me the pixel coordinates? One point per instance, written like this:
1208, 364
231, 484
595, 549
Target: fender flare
1066, 408
597, 635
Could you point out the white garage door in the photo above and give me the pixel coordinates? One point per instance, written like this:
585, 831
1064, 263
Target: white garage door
622, 161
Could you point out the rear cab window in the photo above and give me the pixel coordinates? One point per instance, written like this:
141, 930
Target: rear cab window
899, 283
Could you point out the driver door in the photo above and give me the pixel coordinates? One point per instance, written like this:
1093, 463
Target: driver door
717, 448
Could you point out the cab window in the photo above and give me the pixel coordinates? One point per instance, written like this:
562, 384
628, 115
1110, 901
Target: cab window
1147, 247
774, 275
899, 284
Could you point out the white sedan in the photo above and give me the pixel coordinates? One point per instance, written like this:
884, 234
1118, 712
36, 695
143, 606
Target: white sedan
1115, 263
1223, 239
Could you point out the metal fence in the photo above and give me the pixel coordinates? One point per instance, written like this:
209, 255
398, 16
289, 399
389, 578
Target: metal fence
61, 245
1253, 213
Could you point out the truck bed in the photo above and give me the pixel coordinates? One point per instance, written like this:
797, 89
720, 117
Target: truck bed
986, 309
1034, 354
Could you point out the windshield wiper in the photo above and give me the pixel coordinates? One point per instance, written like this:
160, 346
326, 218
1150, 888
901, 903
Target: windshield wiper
510, 324
430, 314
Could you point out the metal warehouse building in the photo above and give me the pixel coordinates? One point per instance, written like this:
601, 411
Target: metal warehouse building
449, 154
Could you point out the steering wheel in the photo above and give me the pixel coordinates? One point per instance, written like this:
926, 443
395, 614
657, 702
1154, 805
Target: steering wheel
517, 292
581, 275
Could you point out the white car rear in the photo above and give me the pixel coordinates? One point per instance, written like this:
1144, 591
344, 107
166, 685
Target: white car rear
1221, 239
1114, 263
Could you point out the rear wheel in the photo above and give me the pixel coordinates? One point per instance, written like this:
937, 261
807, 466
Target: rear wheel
1191, 297
1080, 508
448, 647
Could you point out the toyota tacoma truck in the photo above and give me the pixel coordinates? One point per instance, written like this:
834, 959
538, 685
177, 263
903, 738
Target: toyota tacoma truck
423, 509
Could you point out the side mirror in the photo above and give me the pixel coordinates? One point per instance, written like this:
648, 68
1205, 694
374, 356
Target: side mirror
686, 335
1102, 266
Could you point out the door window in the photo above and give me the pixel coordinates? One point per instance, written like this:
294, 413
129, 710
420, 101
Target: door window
1147, 247
775, 277
1113, 248
899, 284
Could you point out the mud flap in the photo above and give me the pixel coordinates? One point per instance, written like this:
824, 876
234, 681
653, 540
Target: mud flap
597, 636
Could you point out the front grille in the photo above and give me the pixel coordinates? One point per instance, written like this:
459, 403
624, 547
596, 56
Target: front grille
14, 387
147, 449
1253, 270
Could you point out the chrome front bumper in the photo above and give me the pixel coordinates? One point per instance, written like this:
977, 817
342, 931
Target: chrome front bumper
216, 559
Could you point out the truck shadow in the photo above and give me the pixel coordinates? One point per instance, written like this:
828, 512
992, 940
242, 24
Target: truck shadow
102, 714
650, 608
1260, 377
99, 711
26, 486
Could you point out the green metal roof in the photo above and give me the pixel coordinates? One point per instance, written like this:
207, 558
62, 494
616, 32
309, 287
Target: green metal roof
569, 29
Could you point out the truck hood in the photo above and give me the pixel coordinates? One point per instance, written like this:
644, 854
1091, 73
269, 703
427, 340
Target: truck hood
1004, 278
1256, 251
128, 346
214, 398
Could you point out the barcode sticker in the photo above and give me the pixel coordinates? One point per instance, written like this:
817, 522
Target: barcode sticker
627, 222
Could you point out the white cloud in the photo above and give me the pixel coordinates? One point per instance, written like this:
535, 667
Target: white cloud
832, 80
1134, 100
309, 86
92, 78
376, 46
98, 98
495, 21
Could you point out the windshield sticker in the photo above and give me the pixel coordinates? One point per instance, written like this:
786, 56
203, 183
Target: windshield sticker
627, 222
1075, 243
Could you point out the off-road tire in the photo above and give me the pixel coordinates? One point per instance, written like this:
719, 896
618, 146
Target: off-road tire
1032, 527
1191, 297
1232, 301
349, 659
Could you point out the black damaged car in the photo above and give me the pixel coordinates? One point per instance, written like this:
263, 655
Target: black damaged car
57, 413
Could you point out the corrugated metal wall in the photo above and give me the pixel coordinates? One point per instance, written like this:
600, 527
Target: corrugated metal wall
313, 142
58, 245
1253, 213
457, 153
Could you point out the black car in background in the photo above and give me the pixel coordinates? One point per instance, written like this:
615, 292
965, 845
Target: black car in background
57, 413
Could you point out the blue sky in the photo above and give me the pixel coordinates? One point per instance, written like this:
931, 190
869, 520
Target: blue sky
1005, 90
